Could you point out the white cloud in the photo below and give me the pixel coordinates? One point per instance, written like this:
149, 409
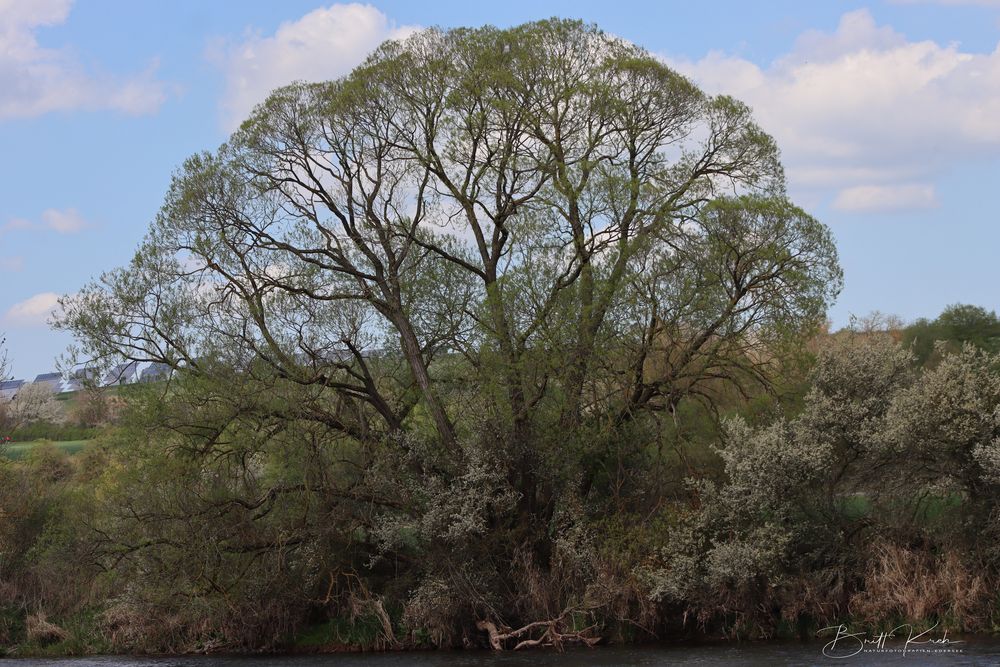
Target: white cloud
886, 198
15, 224
863, 107
62, 221
35, 80
34, 311
65, 221
324, 44
11, 263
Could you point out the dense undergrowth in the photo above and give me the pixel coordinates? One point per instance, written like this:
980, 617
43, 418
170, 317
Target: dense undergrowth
874, 501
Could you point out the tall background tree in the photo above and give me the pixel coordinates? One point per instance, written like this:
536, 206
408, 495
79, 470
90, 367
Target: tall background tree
957, 325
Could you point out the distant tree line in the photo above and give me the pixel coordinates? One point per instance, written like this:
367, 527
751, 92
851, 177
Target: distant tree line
957, 325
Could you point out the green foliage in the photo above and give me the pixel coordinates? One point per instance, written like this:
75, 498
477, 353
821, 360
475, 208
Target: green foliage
50, 431
12, 630
364, 632
20, 450
956, 325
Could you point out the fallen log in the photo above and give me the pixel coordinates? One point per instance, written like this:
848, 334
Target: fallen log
554, 635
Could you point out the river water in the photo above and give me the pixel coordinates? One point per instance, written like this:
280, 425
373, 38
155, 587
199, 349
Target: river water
978, 652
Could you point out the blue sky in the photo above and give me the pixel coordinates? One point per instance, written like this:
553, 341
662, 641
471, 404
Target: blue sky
887, 113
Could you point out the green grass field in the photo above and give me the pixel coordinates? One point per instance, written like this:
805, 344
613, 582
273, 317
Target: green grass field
18, 450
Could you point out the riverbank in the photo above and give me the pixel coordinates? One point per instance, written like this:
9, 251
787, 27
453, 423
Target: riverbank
83, 642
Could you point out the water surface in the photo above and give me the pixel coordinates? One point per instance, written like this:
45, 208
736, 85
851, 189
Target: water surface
974, 652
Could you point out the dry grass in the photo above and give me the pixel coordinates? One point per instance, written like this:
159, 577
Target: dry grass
919, 585
40, 631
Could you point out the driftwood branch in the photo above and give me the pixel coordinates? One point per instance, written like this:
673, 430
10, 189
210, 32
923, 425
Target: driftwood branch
554, 635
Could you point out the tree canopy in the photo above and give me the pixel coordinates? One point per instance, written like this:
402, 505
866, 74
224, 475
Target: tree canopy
527, 199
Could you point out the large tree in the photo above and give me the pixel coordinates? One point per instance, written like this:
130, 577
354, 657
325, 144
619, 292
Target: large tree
492, 253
